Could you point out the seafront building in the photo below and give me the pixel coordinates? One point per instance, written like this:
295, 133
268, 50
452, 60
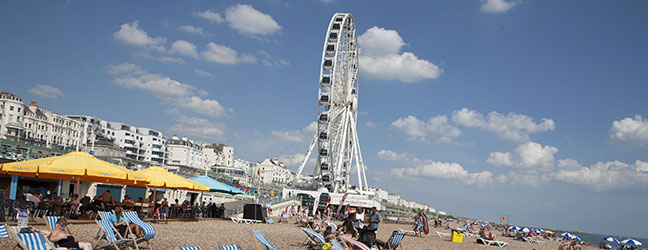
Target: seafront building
185, 156
274, 172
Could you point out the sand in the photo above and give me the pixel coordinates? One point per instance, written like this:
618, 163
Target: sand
212, 233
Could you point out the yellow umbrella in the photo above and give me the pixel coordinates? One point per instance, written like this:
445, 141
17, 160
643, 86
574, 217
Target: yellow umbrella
161, 178
74, 166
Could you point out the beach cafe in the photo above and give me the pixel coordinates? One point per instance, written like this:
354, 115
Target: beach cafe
83, 174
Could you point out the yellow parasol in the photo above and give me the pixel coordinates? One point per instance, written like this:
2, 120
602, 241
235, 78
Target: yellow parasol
161, 178
78, 166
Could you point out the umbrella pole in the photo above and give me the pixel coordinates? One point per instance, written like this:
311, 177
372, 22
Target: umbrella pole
77, 186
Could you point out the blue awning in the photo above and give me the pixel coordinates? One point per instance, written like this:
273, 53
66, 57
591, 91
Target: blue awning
216, 186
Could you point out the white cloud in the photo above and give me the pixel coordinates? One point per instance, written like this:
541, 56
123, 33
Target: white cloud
249, 21
293, 161
191, 29
605, 176
131, 34
199, 127
204, 73
418, 129
529, 155
512, 126
497, 6
46, 91
184, 48
167, 90
389, 155
442, 170
225, 55
210, 15
370, 124
380, 58
630, 130
296, 136
271, 61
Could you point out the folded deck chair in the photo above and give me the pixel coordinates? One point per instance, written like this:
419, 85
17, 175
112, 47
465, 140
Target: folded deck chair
407, 232
230, 247
315, 238
149, 230
263, 240
355, 243
443, 235
395, 240
188, 248
492, 242
112, 236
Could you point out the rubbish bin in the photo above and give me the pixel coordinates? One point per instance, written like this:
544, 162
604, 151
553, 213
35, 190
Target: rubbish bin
456, 236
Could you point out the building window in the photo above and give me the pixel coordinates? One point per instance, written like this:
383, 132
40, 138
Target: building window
10, 108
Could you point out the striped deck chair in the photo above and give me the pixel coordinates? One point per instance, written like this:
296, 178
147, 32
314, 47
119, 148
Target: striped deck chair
188, 248
263, 240
33, 241
337, 245
113, 237
4, 234
149, 230
51, 221
313, 238
395, 240
230, 247
355, 243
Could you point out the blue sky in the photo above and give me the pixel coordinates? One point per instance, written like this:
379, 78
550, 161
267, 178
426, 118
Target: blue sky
531, 109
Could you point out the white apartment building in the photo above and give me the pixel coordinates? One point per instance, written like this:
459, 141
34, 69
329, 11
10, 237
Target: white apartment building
13, 112
141, 144
393, 198
184, 152
274, 172
210, 156
45, 127
227, 153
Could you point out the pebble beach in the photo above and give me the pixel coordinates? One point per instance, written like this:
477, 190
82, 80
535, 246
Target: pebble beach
213, 233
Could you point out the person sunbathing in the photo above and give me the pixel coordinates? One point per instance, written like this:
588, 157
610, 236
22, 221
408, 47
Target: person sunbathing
62, 238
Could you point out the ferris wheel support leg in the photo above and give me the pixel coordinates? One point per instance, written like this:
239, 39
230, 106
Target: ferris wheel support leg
343, 142
357, 144
357, 160
308, 153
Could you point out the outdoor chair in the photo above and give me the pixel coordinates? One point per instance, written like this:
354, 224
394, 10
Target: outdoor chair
443, 235
263, 240
188, 248
230, 247
112, 236
355, 243
32, 241
492, 242
4, 234
337, 245
395, 240
314, 238
414, 233
149, 230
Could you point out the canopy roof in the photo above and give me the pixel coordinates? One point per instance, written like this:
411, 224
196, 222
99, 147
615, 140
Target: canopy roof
216, 186
75, 166
160, 177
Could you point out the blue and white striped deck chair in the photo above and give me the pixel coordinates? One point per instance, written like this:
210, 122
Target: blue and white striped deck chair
149, 230
105, 215
113, 237
51, 221
337, 245
395, 240
230, 247
189, 248
32, 241
3, 232
263, 240
315, 238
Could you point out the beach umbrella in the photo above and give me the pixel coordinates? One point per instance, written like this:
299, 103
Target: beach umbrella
612, 239
216, 186
631, 242
567, 235
526, 230
576, 238
161, 178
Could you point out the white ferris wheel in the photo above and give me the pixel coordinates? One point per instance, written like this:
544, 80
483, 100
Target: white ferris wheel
337, 114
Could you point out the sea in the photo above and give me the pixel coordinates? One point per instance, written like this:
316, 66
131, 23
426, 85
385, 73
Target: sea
595, 239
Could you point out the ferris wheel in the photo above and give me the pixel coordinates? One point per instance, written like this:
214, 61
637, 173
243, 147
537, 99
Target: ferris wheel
337, 113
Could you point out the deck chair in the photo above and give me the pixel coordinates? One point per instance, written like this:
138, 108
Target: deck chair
337, 245
395, 240
32, 241
314, 238
188, 248
263, 240
149, 230
355, 243
443, 235
112, 236
4, 234
492, 242
230, 247
400, 230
